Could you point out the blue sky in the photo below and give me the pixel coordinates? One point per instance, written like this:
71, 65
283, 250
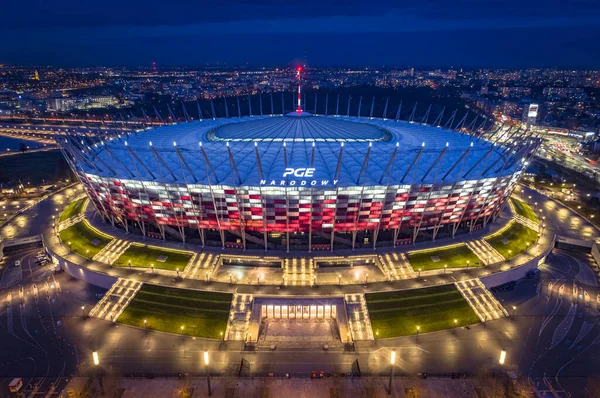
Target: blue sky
466, 33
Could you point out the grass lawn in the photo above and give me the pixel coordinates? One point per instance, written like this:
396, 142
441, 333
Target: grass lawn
524, 210
399, 313
84, 240
145, 256
72, 209
203, 314
513, 241
455, 257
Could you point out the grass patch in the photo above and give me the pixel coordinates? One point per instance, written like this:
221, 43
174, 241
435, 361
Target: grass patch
144, 256
513, 241
72, 209
454, 257
84, 240
523, 209
203, 314
399, 313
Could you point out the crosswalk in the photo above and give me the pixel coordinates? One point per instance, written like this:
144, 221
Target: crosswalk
116, 300
239, 317
199, 265
396, 266
111, 252
298, 272
483, 303
358, 317
486, 253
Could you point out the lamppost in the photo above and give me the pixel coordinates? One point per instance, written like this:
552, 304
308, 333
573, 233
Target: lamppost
418, 330
145, 322
182, 327
419, 273
455, 325
207, 373
468, 262
83, 311
152, 265
96, 364
366, 278
392, 363
445, 266
502, 358
514, 308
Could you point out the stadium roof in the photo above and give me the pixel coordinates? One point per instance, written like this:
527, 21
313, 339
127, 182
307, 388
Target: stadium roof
189, 152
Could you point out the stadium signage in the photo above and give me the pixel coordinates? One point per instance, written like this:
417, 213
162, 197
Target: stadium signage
301, 172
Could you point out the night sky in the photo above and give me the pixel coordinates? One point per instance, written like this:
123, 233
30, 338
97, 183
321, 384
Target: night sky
469, 33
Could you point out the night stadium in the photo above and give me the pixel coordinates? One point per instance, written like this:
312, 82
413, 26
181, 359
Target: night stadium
301, 181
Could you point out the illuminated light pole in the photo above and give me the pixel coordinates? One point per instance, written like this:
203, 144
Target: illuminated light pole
514, 308
207, 373
445, 266
418, 330
468, 262
83, 311
129, 262
145, 323
455, 325
366, 279
182, 327
392, 363
96, 360
152, 265
502, 358
177, 269
419, 273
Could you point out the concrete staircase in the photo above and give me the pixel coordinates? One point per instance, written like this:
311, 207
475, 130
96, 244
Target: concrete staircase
239, 317
199, 265
298, 272
396, 266
527, 222
116, 300
358, 317
483, 303
111, 252
484, 251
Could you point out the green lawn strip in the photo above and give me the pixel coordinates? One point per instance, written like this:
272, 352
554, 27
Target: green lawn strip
84, 240
72, 209
524, 210
144, 257
400, 317
203, 314
517, 235
455, 257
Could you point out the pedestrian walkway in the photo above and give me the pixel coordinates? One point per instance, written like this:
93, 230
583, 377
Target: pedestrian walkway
527, 222
199, 265
116, 299
486, 253
396, 266
298, 272
358, 317
70, 222
481, 300
111, 252
239, 317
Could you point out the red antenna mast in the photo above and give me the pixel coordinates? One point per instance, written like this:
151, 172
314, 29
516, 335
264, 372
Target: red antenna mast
298, 70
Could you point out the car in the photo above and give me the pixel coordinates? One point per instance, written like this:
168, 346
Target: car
17, 263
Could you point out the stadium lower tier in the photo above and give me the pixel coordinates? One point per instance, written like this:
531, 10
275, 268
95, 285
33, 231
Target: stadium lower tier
319, 217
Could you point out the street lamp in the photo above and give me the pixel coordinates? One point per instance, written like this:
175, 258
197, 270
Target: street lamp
182, 327
392, 363
502, 358
418, 330
445, 266
96, 363
514, 308
82, 311
145, 322
207, 373
152, 265
468, 262
95, 357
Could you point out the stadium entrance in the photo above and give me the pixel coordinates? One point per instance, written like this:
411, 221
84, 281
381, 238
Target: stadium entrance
299, 322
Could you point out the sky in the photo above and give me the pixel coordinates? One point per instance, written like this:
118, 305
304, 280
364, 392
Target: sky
467, 33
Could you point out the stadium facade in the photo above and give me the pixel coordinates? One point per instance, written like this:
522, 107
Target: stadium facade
300, 181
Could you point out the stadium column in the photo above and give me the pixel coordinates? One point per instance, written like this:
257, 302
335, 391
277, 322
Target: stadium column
263, 204
133, 157
287, 201
449, 197
183, 162
415, 160
207, 167
440, 159
364, 168
389, 166
337, 191
236, 185
486, 156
